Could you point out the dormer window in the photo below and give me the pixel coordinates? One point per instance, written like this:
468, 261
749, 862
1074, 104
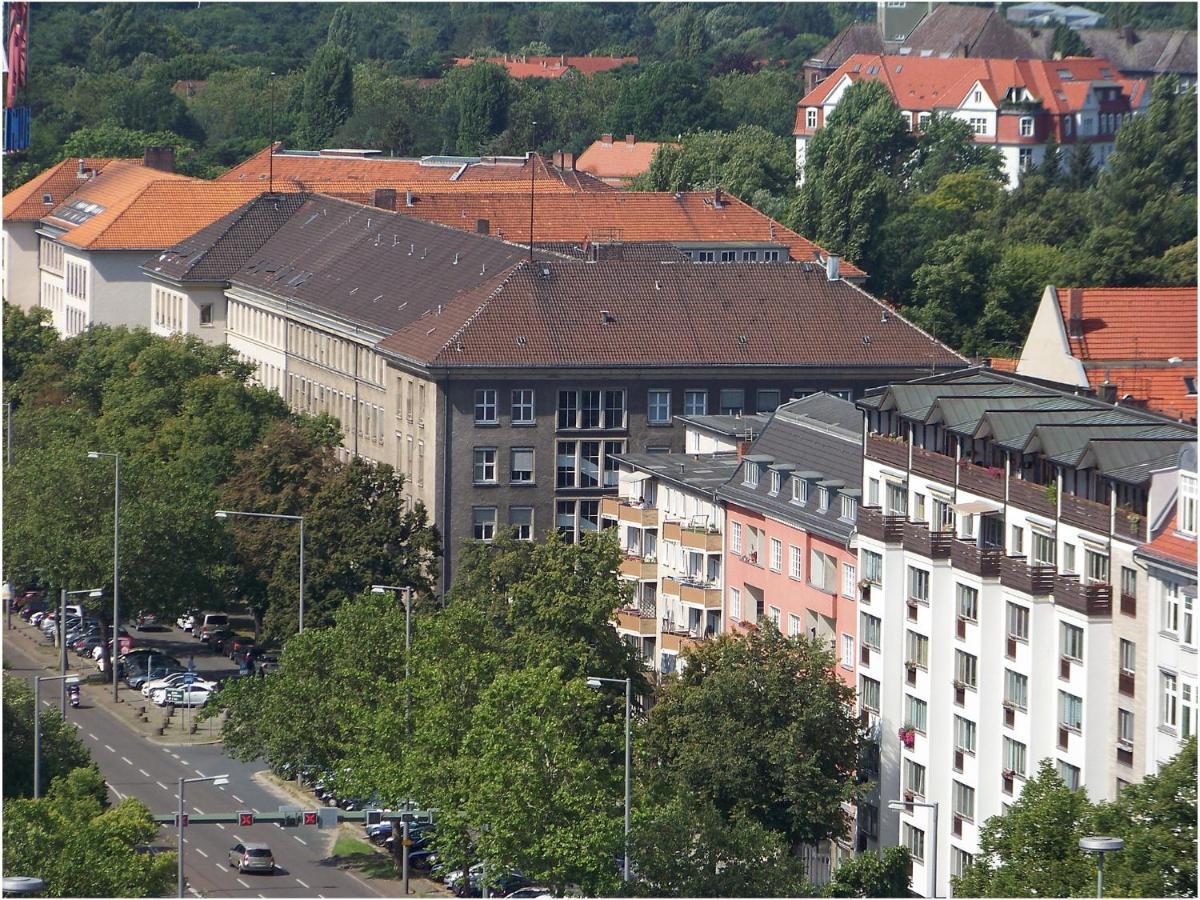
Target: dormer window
776, 478
750, 474
849, 508
799, 491
1026, 126
810, 118
823, 500
1186, 522
978, 96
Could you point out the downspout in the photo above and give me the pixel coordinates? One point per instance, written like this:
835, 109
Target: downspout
445, 489
357, 411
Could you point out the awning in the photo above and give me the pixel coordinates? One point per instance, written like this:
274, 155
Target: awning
976, 508
639, 476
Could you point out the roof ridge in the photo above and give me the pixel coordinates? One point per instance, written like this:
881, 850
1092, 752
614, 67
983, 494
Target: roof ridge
457, 334
889, 309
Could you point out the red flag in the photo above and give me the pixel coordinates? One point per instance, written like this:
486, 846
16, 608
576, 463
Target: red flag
18, 40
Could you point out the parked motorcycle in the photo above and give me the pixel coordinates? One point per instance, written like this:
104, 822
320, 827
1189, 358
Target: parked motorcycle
73, 695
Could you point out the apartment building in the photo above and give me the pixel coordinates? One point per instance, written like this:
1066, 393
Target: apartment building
1002, 602
1014, 105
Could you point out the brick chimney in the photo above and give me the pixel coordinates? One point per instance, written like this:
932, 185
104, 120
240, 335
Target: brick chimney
742, 447
606, 138
384, 198
1075, 312
630, 140
482, 226
160, 158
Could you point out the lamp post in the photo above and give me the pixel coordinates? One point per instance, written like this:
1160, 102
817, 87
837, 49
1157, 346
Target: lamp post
95, 454
594, 682
933, 844
62, 637
215, 779
37, 725
380, 589
225, 513
1100, 845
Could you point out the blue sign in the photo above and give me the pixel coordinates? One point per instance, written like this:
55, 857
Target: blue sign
189, 678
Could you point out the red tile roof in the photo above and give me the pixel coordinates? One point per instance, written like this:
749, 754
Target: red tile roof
552, 66
615, 216
620, 159
1128, 336
1003, 364
1172, 546
566, 313
26, 204
931, 83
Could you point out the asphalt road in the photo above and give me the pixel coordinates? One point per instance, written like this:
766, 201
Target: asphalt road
133, 766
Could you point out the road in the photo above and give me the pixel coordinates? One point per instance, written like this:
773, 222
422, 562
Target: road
133, 766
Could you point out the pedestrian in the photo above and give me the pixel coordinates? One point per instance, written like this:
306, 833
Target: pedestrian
246, 663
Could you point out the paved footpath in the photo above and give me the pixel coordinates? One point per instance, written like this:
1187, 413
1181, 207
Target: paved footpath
133, 765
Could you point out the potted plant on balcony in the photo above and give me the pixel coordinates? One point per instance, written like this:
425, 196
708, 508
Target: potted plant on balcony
909, 796
908, 736
1052, 493
1007, 774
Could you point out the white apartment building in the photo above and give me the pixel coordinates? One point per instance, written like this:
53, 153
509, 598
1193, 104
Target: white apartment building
1000, 518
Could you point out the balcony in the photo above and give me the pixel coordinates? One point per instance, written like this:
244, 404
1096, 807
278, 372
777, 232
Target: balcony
1085, 513
981, 561
1031, 497
672, 531
932, 544
1093, 599
987, 482
1129, 524
675, 638
700, 593
937, 466
638, 568
632, 620
885, 449
631, 512
873, 523
701, 539
1037, 581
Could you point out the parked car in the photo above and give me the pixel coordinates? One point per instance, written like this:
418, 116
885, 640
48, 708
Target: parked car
33, 606
138, 673
422, 860
251, 858
208, 622
453, 876
266, 664
174, 680
187, 621
213, 637
531, 892
145, 619
197, 694
235, 648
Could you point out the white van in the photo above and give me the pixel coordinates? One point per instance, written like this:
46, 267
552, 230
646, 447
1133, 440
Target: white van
202, 625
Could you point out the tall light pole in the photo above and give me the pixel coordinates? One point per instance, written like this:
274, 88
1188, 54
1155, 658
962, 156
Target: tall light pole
1100, 845
37, 725
382, 588
113, 654
904, 804
225, 513
594, 682
62, 637
215, 779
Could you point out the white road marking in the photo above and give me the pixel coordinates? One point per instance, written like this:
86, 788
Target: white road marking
301, 883
201, 852
93, 737
237, 798
127, 760
161, 785
120, 796
242, 883
221, 867
220, 787
145, 774
219, 825
198, 772
195, 892
183, 762
109, 749
167, 750
301, 840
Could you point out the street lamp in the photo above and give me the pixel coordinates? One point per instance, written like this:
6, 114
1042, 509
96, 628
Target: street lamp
215, 779
904, 805
225, 513
37, 724
95, 454
594, 682
62, 637
1100, 845
384, 588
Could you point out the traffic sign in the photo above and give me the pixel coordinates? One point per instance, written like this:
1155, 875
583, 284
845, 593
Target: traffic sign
185, 820
310, 817
245, 819
189, 678
373, 816
174, 695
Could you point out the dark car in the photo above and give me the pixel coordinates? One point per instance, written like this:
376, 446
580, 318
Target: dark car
145, 619
266, 664
216, 638
236, 647
422, 860
31, 607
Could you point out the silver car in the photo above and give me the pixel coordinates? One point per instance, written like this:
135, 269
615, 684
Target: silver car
251, 858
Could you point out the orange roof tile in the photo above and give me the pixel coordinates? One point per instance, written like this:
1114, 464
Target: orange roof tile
613, 216
617, 159
1003, 364
552, 66
26, 204
1171, 545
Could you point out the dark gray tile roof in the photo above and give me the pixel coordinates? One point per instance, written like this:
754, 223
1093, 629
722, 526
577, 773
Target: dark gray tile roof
728, 426
699, 473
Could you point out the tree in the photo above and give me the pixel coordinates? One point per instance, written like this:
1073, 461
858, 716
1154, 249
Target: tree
62, 750
873, 875
1067, 42
328, 96
26, 338
948, 289
947, 147
1081, 166
110, 139
481, 93
662, 101
766, 98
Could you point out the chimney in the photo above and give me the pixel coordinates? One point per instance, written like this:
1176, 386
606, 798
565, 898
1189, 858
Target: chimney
832, 271
562, 61
1108, 391
1075, 313
483, 226
742, 447
384, 198
161, 158
408, 198
568, 161
606, 138
82, 174
1129, 35
630, 140
717, 204
557, 159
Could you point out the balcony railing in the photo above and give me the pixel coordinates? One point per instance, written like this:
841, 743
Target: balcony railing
632, 512
641, 569
633, 620
701, 539
1093, 599
933, 465
873, 523
677, 638
932, 544
1015, 573
670, 586
892, 451
700, 594
1085, 513
1129, 524
981, 561
980, 480
1031, 497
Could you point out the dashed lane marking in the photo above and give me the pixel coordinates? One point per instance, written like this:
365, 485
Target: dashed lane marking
219, 825
183, 762
109, 749
145, 774
201, 852
301, 840
195, 892
93, 737
198, 810
120, 796
301, 883
242, 883
127, 760
221, 867
198, 772
237, 798
161, 785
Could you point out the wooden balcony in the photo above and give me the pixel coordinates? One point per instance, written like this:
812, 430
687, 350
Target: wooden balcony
622, 510
931, 544
700, 595
981, 480
632, 620
892, 451
1031, 497
873, 523
1015, 573
701, 539
1129, 525
1085, 513
981, 561
639, 569
937, 466
1090, 599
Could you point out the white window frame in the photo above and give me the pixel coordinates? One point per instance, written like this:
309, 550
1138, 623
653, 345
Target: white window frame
483, 530
523, 400
810, 117
695, 402
658, 406
484, 463
512, 465
485, 399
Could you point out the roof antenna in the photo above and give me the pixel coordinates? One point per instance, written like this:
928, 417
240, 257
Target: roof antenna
532, 138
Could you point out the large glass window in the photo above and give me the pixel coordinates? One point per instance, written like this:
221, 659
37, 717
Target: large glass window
917, 711
522, 407
872, 566
914, 777
485, 465
918, 584
1071, 641
733, 401
868, 693
521, 465
871, 630
485, 407
1186, 521
964, 800
1016, 689
484, 518
914, 840
1018, 622
658, 407
1043, 550
1014, 756
966, 669
964, 734
968, 602
916, 649
695, 402
1069, 774
614, 409
1070, 710
520, 518
1169, 699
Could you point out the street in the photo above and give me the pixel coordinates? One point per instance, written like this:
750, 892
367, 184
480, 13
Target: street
134, 766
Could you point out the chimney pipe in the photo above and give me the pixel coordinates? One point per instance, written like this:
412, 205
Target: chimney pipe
606, 138
1075, 313
630, 140
742, 447
717, 204
1108, 391
384, 198
832, 267
160, 158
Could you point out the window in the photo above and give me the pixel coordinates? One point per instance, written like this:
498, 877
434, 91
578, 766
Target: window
589, 515
799, 490
978, 97
872, 566
520, 518
849, 508
1016, 541
963, 798
485, 465
795, 564
978, 125
968, 603
733, 402
871, 628
522, 407
1069, 774
1187, 633
1095, 567
750, 474
565, 464
1026, 126
767, 400
1016, 689
568, 409
964, 734
917, 712
793, 625
589, 409
1187, 503
206, 314
868, 693
589, 464
776, 555
1018, 622
897, 499
960, 861
918, 584
658, 407
916, 648
847, 651
735, 537
735, 604
484, 518
774, 614
914, 777
1169, 713
1187, 709
728, 256
872, 492
1068, 558
914, 840
485, 407
776, 478
1070, 711
695, 403
849, 582
1071, 642
966, 669
1025, 159
1014, 756
1128, 581
810, 118
521, 465
1170, 608
922, 120
614, 409
1043, 550
822, 571
1125, 726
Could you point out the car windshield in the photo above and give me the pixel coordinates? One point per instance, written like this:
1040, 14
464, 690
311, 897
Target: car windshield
214, 621
257, 851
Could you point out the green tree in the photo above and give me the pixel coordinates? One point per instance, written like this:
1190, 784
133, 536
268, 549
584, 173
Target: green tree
745, 162
481, 93
947, 147
873, 875
1067, 42
26, 338
62, 751
661, 101
766, 98
948, 290
110, 139
328, 96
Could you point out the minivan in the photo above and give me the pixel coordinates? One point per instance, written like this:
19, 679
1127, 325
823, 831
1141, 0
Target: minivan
209, 622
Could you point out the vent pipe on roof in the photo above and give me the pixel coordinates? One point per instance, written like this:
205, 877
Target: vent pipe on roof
717, 203
1075, 312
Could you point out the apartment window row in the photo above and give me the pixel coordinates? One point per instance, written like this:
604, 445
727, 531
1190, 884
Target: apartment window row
75, 321
589, 409
587, 464
484, 522
75, 280
256, 324
576, 518
336, 353
410, 459
486, 468
410, 403
1178, 614
52, 296
1177, 704
167, 309
51, 255
370, 422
